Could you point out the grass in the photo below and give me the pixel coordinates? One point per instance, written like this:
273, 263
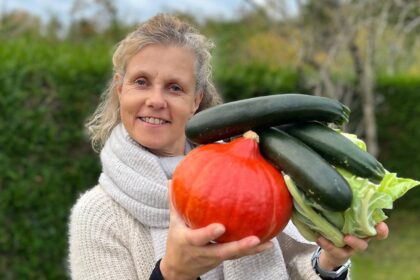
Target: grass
397, 257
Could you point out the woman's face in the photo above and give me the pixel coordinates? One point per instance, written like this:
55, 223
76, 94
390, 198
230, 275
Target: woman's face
157, 97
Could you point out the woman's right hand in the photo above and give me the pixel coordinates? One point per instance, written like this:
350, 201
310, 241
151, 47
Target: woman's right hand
190, 254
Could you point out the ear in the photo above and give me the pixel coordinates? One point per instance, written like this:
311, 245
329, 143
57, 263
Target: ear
119, 81
197, 101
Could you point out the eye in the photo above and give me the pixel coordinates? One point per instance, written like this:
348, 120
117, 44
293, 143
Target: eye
141, 82
175, 88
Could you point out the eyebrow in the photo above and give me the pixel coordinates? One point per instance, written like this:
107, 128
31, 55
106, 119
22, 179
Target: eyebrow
142, 73
137, 73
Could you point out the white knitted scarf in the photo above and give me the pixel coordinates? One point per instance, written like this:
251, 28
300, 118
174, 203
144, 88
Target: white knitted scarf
138, 179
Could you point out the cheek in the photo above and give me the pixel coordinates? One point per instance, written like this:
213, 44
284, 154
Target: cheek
182, 114
123, 110
128, 105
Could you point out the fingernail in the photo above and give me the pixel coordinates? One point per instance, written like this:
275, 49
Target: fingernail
254, 242
267, 247
218, 230
270, 245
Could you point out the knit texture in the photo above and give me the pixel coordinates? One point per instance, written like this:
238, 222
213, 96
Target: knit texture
118, 229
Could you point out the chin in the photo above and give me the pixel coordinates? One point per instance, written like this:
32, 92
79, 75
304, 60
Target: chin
149, 143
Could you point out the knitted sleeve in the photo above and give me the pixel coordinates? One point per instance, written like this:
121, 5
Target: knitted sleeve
297, 256
98, 247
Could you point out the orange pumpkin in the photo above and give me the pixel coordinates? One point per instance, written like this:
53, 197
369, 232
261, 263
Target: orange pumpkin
234, 185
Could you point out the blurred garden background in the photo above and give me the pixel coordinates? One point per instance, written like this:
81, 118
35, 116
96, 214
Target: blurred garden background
53, 69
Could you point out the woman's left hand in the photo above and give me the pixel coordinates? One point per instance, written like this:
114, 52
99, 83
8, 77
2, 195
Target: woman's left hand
332, 257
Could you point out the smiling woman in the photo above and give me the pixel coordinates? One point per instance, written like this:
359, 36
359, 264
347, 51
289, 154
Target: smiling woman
157, 97
125, 227
180, 58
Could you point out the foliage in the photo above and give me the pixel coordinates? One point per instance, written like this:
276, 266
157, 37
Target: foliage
252, 80
398, 118
47, 90
49, 87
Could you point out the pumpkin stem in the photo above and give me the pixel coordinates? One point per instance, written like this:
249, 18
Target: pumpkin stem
252, 135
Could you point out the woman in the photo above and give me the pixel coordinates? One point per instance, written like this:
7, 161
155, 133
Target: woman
123, 227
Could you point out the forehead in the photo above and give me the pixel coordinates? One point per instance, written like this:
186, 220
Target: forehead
158, 58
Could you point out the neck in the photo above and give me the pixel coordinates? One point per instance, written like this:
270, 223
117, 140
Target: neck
179, 149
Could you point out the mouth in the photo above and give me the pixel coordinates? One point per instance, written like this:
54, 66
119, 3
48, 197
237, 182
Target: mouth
152, 120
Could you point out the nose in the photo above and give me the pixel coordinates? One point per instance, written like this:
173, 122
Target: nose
156, 98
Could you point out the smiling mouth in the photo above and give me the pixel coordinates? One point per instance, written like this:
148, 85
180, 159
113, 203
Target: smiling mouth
153, 120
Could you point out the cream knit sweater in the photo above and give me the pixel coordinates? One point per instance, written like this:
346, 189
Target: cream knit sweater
106, 242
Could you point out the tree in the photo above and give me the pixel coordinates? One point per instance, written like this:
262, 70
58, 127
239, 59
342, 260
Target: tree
53, 27
105, 16
19, 22
337, 35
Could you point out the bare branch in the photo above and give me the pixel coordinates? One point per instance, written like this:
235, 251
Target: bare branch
403, 15
411, 25
383, 19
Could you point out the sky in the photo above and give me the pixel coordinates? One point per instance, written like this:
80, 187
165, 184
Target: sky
131, 10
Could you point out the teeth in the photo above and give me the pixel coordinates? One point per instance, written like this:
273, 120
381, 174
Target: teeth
153, 120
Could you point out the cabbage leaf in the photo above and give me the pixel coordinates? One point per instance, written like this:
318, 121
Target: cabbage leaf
366, 210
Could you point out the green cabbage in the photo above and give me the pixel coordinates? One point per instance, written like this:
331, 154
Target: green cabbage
369, 200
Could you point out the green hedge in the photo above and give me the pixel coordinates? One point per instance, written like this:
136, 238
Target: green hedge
47, 91
398, 117
246, 81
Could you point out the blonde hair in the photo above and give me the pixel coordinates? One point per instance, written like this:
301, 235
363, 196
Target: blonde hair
161, 29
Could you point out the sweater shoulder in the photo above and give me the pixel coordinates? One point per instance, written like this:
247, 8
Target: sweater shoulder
94, 200
96, 210
107, 242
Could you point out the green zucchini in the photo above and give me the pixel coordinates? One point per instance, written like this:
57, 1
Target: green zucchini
318, 180
337, 149
235, 118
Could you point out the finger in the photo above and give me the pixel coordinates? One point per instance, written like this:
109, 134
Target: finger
258, 249
382, 231
203, 236
235, 249
336, 252
358, 244
325, 244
